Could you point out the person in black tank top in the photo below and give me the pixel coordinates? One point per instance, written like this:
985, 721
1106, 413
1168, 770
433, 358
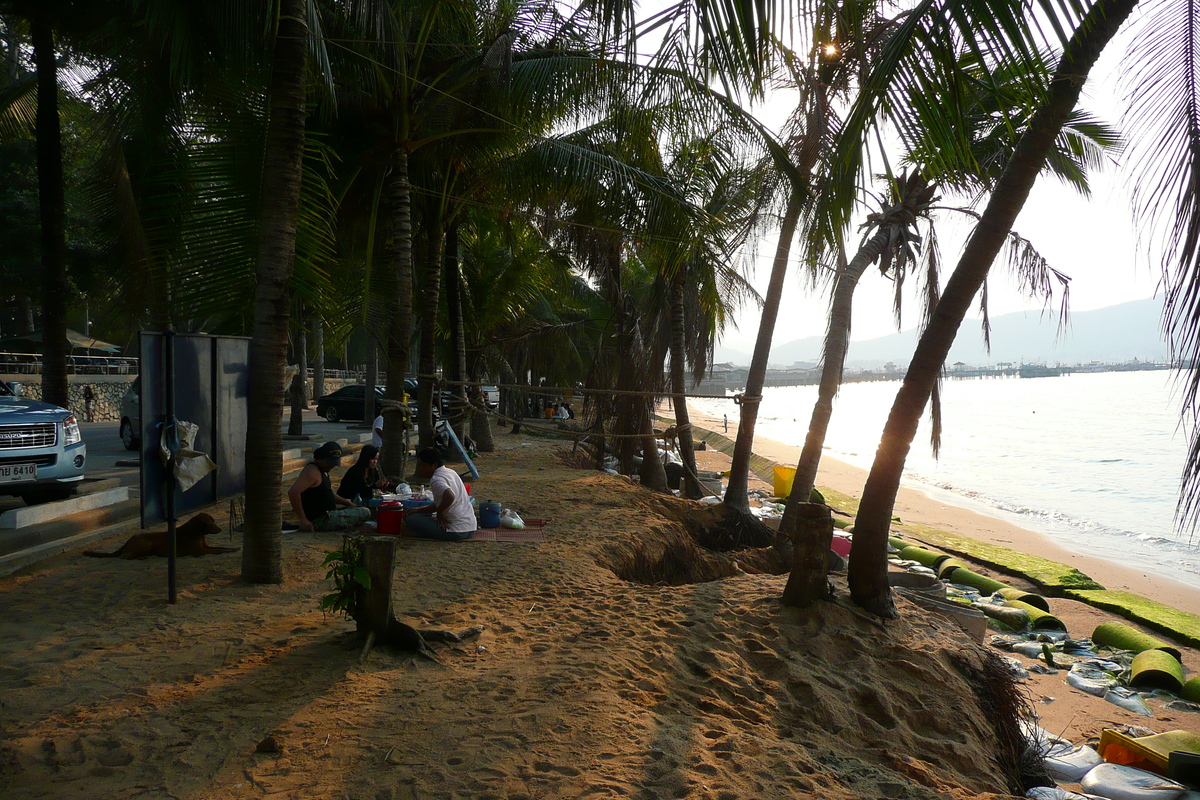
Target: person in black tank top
313, 499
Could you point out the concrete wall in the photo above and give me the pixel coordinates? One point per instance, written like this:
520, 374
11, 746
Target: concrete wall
109, 390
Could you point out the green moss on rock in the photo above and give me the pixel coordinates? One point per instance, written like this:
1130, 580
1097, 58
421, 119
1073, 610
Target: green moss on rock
1052, 577
1179, 625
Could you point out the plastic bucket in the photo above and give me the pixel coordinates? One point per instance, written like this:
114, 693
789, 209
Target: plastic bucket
783, 481
390, 519
489, 515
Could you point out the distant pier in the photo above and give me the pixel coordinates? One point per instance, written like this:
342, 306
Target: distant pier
727, 377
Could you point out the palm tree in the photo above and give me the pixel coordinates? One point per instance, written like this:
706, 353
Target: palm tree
843, 38
694, 256
282, 169
43, 18
868, 561
892, 237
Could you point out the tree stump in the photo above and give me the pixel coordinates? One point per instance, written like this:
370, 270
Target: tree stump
375, 604
811, 540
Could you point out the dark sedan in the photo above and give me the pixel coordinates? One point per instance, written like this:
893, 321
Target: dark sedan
346, 403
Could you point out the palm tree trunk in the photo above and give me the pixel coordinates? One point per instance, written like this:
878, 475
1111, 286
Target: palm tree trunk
481, 421
53, 214
371, 379
683, 422
426, 385
318, 326
302, 355
868, 560
392, 455
652, 474
299, 389
458, 336
283, 158
739, 470
837, 340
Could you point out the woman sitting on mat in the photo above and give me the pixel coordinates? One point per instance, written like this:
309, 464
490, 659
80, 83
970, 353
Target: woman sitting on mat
363, 477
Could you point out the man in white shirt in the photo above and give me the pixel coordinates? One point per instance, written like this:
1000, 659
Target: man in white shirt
377, 431
455, 517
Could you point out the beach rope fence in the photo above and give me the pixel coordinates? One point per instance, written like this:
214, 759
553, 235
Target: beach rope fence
595, 436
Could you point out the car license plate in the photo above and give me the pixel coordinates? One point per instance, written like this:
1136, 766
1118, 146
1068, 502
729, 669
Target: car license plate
18, 472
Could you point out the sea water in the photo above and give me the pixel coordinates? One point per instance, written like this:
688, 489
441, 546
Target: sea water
1092, 460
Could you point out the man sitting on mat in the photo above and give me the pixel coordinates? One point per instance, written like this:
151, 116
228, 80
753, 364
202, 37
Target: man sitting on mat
455, 517
313, 499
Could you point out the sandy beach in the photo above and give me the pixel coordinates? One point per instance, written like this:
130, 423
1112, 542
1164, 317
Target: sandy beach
591, 679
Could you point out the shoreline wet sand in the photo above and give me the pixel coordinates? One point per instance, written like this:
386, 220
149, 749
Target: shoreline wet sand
915, 506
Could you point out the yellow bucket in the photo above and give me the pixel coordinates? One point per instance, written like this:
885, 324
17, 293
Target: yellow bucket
783, 480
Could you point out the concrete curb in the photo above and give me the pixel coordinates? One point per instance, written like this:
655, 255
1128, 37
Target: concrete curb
12, 562
47, 512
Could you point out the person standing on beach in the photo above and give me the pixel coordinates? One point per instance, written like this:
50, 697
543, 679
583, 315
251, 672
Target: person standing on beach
377, 432
89, 403
727, 423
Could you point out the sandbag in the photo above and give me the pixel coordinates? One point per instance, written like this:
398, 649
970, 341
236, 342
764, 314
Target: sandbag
1157, 669
1069, 763
1014, 618
1057, 793
948, 565
1090, 679
1035, 600
1118, 782
1038, 619
926, 558
1129, 700
1120, 636
966, 577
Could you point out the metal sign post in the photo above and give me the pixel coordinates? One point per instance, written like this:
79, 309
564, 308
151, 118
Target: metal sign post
169, 430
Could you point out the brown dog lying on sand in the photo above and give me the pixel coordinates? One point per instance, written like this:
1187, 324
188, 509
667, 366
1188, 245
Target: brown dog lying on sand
189, 541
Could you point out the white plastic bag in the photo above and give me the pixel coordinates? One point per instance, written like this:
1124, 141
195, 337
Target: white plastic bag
510, 519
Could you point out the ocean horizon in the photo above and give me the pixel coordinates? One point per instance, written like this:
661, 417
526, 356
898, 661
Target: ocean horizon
1091, 460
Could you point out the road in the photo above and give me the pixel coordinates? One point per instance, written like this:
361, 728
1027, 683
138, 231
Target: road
105, 448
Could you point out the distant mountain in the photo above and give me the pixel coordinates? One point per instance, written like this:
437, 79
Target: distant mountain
1117, 333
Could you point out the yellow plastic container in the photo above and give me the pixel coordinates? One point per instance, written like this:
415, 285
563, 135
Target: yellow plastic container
1151, 753
783, 480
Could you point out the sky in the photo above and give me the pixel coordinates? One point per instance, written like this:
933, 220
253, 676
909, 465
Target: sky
1093, 240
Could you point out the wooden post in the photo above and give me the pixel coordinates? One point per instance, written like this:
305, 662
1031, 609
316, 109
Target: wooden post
810, 542
375, 605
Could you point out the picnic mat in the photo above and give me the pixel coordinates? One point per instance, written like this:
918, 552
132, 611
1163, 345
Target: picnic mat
534, 531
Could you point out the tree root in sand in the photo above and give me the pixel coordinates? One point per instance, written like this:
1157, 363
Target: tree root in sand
402, 636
